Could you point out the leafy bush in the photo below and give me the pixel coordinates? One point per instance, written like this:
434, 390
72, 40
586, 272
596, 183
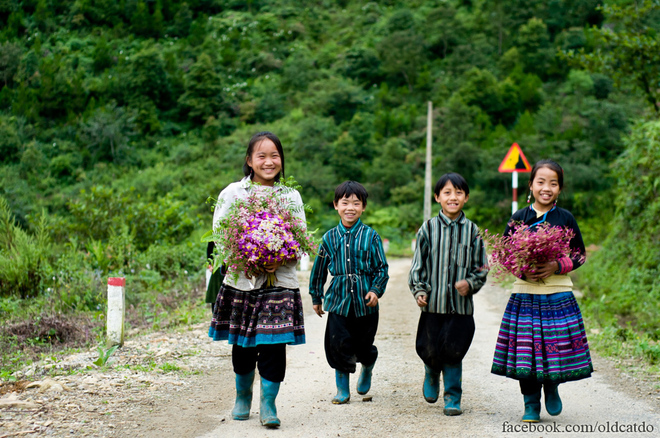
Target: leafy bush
23, 257
622, 279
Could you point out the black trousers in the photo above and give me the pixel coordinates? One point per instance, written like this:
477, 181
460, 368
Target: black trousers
271, 360
349, 339
443, 338
529, 386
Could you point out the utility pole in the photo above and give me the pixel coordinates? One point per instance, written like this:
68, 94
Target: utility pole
429, 157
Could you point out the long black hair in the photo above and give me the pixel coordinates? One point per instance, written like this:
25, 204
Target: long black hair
255, 140
550, 164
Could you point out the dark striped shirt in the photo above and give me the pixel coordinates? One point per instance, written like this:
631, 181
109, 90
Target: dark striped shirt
448, 251
356, 260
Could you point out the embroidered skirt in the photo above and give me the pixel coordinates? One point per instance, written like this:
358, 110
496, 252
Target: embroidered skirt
542, 338
272, 315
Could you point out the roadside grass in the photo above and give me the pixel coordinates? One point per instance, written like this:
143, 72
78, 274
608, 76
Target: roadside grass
33, 333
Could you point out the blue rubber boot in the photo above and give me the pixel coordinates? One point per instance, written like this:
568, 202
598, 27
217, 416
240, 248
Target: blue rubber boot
431, 387
243, 403
452, 375
343, 391
532, 408
267, 410
364, 381
552, 401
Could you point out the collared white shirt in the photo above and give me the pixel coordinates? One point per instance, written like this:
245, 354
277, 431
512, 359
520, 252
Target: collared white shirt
286, 274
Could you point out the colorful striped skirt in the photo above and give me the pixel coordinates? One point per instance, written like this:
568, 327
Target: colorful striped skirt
272, 315
542, 338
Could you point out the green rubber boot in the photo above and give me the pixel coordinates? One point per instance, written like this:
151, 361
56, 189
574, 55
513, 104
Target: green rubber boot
343, 391
364, 381
452, 375
552, 401
267, 410
532, 408
243, 403
431, 387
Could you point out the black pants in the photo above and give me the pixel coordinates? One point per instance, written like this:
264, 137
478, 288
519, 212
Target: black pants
271, 360
529, 386
443, 338
349, 339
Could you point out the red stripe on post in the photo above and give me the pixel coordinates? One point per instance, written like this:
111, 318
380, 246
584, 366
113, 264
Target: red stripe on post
116, 281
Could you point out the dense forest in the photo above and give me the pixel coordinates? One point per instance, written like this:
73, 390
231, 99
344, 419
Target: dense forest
118, 119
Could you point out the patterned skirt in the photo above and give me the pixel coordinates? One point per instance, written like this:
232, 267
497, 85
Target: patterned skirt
542, 338
272, 315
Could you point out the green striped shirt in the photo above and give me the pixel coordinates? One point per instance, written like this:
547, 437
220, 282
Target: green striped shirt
448, 251
356, 260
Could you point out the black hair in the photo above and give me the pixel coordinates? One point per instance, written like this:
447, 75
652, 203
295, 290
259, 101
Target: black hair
552, 165
255, 140
456, 180
349, 188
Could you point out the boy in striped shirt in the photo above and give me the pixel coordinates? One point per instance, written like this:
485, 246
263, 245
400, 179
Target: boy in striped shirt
449, 266
353, 254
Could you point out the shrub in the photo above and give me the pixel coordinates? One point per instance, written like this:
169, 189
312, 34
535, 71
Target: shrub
23, 257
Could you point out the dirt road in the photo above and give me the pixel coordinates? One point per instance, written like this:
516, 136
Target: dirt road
180, 384
492, 404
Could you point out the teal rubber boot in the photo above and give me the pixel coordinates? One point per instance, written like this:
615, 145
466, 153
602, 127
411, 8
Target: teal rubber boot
243, 403
343, 391
431, 387
267, 410
364, 381
532, 408
452, 375
552, 401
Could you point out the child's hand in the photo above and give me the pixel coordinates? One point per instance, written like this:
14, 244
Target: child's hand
463, 287
272, 267
371, 299
542, 271
421, 301
318, 308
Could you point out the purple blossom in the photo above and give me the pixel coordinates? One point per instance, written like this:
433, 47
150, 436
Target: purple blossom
260, 229
525, 248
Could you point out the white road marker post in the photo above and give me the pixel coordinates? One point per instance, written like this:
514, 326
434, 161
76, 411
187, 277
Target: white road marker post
116, 311
514, 185
304, 263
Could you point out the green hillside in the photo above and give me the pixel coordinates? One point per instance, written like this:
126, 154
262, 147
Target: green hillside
118, 119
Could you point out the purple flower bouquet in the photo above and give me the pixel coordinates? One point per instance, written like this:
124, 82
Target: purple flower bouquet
259, 229
524, 249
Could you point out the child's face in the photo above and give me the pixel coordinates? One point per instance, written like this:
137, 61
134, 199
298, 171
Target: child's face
350, 210
545, 188
265, 161
452, 200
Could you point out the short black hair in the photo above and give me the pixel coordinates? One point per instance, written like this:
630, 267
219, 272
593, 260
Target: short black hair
348, 188
456, 180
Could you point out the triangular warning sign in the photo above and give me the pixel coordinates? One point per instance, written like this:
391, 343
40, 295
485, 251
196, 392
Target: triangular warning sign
515, 161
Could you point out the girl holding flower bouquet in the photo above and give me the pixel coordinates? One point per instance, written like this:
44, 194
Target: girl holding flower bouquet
542, 341
258, 308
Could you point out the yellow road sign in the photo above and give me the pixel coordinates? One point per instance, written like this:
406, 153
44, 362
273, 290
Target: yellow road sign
515, 161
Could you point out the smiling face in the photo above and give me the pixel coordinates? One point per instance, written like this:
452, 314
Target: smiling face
265, 161
545, 188
452, 200
349, 209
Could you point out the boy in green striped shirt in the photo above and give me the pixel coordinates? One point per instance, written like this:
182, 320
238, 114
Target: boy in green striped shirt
353, 254
449, 266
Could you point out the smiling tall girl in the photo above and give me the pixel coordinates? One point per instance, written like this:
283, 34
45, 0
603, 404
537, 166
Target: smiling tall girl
542, 341
259, 320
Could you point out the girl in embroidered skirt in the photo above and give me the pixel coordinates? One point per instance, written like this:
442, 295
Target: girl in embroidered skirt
542, 341
259, 321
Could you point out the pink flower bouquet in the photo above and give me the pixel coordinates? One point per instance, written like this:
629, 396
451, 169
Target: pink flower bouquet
259, 229
524, 248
